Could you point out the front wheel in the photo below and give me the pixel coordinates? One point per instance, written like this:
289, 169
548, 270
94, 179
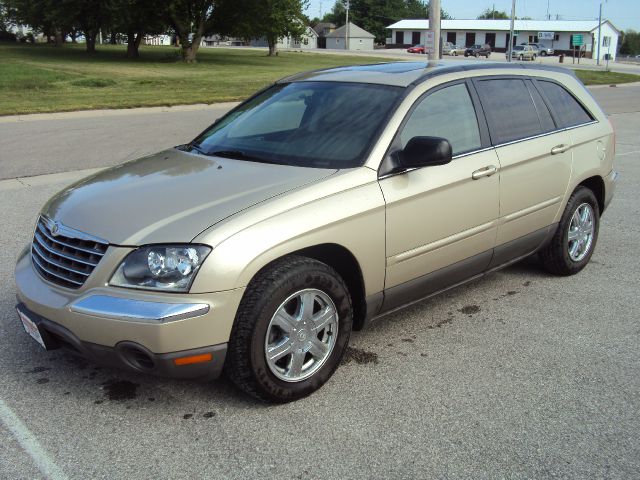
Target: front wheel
543, 54
521, 57
455, 54
573, 243
533, 58
488, 54
477, 55
291, 330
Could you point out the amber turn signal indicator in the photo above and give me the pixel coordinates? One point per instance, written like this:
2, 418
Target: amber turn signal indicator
205, 357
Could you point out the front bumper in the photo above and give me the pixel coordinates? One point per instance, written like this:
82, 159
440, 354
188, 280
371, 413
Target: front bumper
110, 324
131, 355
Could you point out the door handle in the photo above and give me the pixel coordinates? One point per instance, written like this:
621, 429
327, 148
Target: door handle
484, 172
559, 149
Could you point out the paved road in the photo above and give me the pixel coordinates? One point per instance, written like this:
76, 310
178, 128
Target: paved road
519, 375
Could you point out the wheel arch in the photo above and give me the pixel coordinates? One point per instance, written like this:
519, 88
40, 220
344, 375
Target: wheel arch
596, 185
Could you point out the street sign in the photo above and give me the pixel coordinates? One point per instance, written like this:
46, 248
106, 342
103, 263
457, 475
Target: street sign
546, 35
429, 41
576, 40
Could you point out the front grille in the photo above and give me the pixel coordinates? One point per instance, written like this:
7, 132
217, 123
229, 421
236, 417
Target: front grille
64, 256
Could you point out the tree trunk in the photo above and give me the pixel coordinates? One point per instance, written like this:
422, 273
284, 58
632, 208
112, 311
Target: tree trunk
190, 50
90, 38
73, 35
58, 38
273, 47
133, 44
113, 40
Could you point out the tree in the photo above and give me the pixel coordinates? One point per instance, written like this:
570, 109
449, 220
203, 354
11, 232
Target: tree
191, 20
630, 43
493, 14
137, 18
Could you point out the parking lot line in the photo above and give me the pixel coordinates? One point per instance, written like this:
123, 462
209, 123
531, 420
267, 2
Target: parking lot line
30, 444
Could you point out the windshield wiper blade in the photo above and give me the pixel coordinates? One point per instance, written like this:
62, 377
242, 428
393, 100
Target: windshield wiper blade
240, 155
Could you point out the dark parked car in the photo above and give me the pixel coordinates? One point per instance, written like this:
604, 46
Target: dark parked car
478, 50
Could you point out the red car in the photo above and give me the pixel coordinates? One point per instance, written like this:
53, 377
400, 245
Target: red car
416, 49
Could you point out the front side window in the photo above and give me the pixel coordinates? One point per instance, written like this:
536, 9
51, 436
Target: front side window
446, 113
509, 109
307, 124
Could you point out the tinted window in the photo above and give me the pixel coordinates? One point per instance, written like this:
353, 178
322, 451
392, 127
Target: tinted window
446, 113
307, 124
509, 109
567, 109
546, 122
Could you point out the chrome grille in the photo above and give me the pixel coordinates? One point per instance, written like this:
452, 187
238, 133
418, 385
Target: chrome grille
65, 256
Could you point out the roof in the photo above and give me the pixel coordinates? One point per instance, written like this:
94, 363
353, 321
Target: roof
403, 74
354, 32
524, 25
319, 27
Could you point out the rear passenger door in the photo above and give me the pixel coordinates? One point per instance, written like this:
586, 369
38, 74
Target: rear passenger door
535, 162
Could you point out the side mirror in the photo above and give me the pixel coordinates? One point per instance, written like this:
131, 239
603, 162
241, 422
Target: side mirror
425, 152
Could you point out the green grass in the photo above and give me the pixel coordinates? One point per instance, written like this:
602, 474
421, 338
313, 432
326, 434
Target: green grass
41, 78
595, 77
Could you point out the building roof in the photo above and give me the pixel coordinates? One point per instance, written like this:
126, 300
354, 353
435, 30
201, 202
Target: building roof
354, 32
504, 25
403, 74
319, 27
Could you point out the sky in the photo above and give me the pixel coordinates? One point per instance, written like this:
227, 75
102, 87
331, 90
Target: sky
624, 14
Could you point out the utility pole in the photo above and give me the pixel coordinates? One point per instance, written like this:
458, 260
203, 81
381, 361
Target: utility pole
513, 17
599, 33
346, 29
434, 26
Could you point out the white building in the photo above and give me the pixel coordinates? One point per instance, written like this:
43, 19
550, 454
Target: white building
556, 33
359, 39
308, 41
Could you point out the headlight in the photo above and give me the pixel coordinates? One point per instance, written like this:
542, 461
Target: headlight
161, 267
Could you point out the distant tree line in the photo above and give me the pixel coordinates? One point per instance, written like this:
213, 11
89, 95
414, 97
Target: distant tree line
188, 20
630, 43
376, 15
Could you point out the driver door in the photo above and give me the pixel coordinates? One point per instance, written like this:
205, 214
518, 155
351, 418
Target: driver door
441, 221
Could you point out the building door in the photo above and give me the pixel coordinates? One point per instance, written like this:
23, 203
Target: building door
400, 38
451, 37
415, 38
470, 39
490, 38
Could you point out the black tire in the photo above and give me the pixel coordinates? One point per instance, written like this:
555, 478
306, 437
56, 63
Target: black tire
477, 55
521, 57
466, 54
533, 58
543, 53
555, 256
488, 54
246, 364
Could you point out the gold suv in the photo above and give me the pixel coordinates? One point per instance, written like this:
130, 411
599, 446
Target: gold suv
325, 200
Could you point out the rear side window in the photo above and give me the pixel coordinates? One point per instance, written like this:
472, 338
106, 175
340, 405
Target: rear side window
568, 110
446, 113
509, 109
546, 122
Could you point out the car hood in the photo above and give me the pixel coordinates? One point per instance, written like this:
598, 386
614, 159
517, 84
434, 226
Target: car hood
170, 196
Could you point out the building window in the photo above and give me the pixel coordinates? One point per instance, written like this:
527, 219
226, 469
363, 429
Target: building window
556, 37
451, 37
533, 39
490, 38
606, 41
400, 38
415, 38
470, 39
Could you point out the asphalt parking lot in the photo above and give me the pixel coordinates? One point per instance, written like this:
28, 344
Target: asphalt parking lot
518, 375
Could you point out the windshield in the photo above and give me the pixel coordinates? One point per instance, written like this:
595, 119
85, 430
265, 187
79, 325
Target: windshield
307, 124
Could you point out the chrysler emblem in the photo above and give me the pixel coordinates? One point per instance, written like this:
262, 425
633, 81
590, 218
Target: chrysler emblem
54, 228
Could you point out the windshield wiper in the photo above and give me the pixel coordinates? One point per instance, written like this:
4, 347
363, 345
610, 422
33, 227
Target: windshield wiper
240, 155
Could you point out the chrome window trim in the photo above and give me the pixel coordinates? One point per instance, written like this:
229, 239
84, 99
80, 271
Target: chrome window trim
128, 309
557, 130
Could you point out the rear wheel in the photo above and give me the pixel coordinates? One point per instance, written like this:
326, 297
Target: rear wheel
521, 57
477, 55
573, 243
543, 53
455, 54
290, 331
488, 55
534, 57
